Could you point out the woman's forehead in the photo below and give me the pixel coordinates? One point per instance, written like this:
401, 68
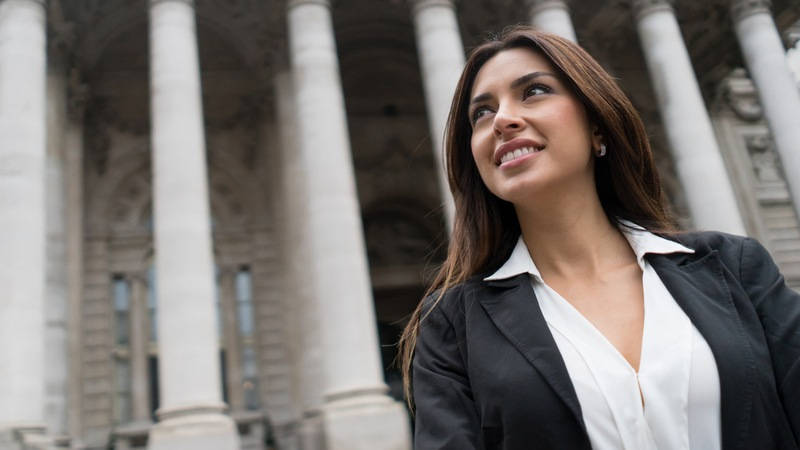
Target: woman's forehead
508, 65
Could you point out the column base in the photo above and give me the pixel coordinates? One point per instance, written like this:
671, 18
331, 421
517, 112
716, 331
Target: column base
201, 431
62, 441
366, 422
25, 438
310, 432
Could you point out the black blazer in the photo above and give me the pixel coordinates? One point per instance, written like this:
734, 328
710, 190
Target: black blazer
487, 373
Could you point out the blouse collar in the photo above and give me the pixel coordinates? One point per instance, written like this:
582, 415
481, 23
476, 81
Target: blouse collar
641, 241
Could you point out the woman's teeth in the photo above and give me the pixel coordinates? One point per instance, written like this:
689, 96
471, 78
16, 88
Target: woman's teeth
517, 153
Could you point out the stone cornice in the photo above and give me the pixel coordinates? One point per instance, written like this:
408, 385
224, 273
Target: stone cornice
741, 9
642, 8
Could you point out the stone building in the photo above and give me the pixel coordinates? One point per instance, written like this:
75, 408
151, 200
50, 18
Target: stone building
216, 214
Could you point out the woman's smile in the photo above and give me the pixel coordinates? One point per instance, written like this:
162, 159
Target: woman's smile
514, 150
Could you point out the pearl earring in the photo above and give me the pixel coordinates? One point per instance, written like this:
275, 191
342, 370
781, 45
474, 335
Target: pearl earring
602, 151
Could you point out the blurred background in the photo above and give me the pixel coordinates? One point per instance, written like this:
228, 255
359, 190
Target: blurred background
313, 141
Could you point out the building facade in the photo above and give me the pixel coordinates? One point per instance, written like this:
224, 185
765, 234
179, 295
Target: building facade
215, 215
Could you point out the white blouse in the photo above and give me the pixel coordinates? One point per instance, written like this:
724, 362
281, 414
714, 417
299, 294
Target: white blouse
677, 374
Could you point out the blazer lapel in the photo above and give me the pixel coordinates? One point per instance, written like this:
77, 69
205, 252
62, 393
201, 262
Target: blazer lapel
698, 285
515, 311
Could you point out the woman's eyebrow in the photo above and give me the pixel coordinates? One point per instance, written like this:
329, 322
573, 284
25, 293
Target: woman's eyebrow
514, 84
480, 98
529, 77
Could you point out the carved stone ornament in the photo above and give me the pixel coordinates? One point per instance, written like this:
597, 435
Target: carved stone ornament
765, 161
741, 9
741, 96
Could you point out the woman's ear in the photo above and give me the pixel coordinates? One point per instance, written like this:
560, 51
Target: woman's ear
597, 138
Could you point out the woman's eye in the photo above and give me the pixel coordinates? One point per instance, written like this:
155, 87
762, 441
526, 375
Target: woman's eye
479, 112
536, 89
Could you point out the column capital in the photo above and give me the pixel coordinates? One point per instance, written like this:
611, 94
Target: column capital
155, 2
539, 5
741, 9
295, 3
642, 8
417, 5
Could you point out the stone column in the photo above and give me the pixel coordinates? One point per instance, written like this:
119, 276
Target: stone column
552, 16
766, 61
305, 340
140, 341
191, 409
699, 163
230, 333
357, 413
792, 37
441, 58
73, 170
56, 263
22, 222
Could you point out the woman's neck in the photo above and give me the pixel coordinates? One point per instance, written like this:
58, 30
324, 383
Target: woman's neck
573, 238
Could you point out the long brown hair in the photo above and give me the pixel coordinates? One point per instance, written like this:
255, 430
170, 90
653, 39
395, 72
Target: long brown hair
486, 228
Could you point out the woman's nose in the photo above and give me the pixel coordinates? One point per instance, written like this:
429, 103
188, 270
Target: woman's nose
507, 120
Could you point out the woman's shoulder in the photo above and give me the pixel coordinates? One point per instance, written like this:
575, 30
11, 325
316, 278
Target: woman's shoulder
709, 240
732, 249
455, 300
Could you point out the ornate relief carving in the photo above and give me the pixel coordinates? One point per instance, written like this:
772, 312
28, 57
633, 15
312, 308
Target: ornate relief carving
743, 8
765, 161
740, 95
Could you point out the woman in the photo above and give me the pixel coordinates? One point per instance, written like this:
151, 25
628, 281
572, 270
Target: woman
569, 313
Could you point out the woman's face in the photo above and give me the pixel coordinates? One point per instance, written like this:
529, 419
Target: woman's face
531, 138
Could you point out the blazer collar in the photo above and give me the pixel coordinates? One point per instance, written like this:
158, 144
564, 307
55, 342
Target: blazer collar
697, 284
513, 308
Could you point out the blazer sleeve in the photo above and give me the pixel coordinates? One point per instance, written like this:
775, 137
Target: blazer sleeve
778, 307
446, 417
